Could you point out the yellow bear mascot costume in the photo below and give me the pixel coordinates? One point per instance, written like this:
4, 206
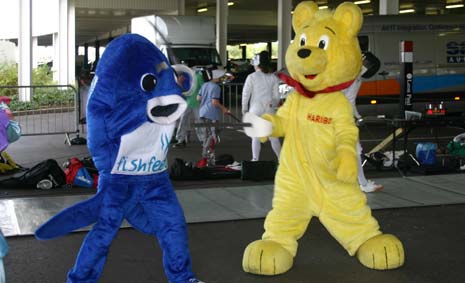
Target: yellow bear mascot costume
317, 174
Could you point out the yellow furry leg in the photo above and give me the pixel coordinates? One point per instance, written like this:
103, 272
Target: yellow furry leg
381, 252
265, 257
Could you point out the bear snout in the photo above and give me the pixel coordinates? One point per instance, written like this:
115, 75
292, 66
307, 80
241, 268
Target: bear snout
304, 53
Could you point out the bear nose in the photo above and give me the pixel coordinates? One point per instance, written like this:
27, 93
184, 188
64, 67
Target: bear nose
304, 53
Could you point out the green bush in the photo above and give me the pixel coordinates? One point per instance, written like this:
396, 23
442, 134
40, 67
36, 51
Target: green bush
8, 77
42, 97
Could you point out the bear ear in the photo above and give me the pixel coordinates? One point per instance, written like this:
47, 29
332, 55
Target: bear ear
350, 16
303, 13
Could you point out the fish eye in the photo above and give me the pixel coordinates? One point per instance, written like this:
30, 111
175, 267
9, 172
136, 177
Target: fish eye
148, 82
303, 39
323, 42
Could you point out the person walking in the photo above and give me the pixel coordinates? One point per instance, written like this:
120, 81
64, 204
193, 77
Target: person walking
260, 96
210, 112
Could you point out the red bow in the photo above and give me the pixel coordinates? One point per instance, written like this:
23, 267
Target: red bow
307, 93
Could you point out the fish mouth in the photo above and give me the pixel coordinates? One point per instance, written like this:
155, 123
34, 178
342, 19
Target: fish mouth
166, 109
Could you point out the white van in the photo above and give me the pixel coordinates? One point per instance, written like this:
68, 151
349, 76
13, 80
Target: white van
188, 40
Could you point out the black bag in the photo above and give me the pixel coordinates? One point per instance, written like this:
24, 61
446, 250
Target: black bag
258, 170
180, 170
45, 175
224, 159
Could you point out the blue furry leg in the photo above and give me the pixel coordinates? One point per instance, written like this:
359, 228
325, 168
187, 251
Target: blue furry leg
159, 213
93, 253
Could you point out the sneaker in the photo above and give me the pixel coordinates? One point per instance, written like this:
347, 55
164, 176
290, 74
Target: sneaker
202, 163
194, 280
371, 187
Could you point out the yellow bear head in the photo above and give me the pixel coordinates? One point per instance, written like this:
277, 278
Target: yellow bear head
325, 51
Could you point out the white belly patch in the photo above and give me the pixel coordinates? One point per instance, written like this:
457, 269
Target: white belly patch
144, 150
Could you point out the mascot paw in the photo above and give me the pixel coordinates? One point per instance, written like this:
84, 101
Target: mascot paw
264, 257
347, 168
381, 252
259, 126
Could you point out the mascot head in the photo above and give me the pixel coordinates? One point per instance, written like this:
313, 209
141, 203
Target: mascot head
135, 81
325, 52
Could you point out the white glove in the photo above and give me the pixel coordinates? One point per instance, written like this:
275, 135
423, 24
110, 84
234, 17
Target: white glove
260, 127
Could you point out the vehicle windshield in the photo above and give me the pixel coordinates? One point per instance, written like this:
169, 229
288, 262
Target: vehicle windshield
195, 56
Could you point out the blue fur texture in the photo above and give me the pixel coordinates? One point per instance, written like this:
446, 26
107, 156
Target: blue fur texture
133, 104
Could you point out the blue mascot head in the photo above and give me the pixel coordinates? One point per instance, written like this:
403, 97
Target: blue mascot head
134, 84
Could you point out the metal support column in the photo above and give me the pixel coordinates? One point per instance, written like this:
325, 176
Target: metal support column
71, 40
222, 28
284, 30
388, 7
181, 7
86, 56
25, 49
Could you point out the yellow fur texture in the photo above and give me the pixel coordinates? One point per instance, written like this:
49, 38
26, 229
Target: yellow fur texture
317, 174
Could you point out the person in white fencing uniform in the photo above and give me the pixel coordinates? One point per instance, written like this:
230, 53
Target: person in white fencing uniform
260, 92
351, 92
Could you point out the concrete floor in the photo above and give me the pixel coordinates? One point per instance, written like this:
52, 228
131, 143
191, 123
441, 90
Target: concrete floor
433, 239
433, 236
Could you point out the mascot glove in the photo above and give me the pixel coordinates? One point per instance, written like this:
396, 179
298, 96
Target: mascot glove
260, 128
346, 164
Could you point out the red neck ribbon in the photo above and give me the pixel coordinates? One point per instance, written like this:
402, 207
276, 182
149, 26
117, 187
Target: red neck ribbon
310, 94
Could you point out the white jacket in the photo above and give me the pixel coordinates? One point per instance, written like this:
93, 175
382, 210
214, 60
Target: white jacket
261, 90
352, 91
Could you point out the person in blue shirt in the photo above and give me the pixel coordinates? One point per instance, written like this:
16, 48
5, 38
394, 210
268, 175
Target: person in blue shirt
210, 111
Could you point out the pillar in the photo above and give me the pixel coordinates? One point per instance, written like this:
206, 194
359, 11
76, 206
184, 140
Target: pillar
222, 28
25, 49
284, 30
181, 7
388, 7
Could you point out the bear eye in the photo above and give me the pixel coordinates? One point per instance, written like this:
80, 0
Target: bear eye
303, 39
148, 82
323, 42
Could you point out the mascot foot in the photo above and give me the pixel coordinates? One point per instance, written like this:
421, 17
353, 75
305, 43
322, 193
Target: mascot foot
381, 252
264, 257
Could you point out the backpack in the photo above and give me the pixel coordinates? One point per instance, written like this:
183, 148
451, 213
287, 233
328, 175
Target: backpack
77, 173
258, 170
179, 170
45, 175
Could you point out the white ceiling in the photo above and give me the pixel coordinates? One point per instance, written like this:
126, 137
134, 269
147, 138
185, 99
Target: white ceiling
249, 20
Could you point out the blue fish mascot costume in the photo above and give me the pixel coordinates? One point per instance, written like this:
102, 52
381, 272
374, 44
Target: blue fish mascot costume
133, 104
